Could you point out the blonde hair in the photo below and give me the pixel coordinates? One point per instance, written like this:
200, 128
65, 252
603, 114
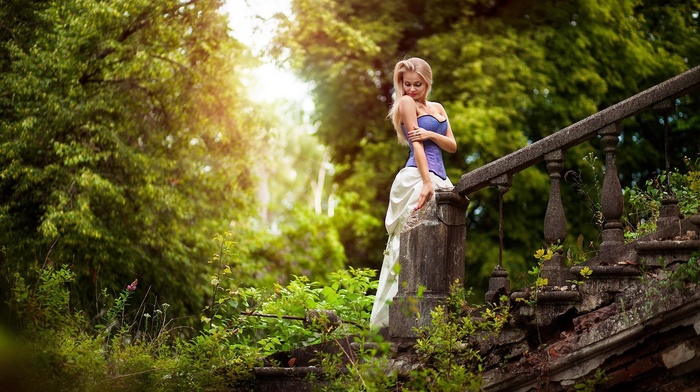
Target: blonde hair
413, 64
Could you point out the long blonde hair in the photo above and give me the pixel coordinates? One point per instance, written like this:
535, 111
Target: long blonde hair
413, 64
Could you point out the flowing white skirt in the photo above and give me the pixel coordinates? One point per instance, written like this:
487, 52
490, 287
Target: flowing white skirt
403, 199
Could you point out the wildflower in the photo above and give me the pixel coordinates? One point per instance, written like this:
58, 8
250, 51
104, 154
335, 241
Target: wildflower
132, 286
548, 255
586, 272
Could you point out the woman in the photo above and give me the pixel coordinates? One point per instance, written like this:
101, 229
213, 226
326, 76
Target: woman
415, 184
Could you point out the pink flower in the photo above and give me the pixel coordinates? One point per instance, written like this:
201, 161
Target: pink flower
132, 286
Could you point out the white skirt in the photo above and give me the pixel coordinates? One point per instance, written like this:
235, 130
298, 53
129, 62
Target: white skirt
403, 199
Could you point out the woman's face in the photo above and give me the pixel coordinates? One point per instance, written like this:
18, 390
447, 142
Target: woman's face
414, 85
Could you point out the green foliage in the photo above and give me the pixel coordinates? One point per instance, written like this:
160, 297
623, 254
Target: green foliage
593, 384
293, 316
119, 125
65, 352
578, 253
54, 339
542, 256
588, 186
643, 203
643, 209
539, 282
362, 370
307, 243
688, 272
45, 305
126, 140
448, 348
128, 349
448, 351
586, 272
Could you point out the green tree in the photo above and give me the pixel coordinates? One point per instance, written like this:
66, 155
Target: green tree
126, 142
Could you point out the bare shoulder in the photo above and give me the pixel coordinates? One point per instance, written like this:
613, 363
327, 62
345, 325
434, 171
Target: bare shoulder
406, 100
438, 106
407, 103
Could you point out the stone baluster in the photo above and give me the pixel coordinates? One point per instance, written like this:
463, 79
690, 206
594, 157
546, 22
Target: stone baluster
555, 221
611, 201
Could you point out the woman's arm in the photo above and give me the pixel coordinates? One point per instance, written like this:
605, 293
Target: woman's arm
446, 142
408, 112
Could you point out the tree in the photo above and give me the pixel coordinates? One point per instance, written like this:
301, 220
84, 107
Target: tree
126, 143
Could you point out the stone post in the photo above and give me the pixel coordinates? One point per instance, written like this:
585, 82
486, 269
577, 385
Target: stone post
431, 258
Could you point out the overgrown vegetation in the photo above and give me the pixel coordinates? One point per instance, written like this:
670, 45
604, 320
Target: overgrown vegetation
447, 355
643, 202
136, 346
132, 347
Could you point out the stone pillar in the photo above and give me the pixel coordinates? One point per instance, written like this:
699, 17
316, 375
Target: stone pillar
431, 258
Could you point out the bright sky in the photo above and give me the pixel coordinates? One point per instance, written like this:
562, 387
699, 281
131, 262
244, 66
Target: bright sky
253, 25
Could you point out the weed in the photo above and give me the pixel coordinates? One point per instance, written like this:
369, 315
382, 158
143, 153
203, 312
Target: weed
591, 385
577, 178
688, 272
542, 256
578, 254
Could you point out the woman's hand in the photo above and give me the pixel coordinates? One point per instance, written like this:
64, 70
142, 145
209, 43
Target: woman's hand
419, 134
425, 194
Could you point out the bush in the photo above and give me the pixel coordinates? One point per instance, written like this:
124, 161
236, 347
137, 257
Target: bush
140, 350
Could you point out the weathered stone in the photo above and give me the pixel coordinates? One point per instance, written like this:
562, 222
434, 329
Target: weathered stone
669, 212
640, 366
588, 320
677, 355
499, 285
431, 257
657, 253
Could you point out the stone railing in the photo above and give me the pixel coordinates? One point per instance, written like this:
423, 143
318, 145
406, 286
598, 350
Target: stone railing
410, 311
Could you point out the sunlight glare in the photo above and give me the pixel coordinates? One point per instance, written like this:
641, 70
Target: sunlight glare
252, 24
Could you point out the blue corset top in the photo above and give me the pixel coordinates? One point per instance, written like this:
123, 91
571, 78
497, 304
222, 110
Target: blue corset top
432, 151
